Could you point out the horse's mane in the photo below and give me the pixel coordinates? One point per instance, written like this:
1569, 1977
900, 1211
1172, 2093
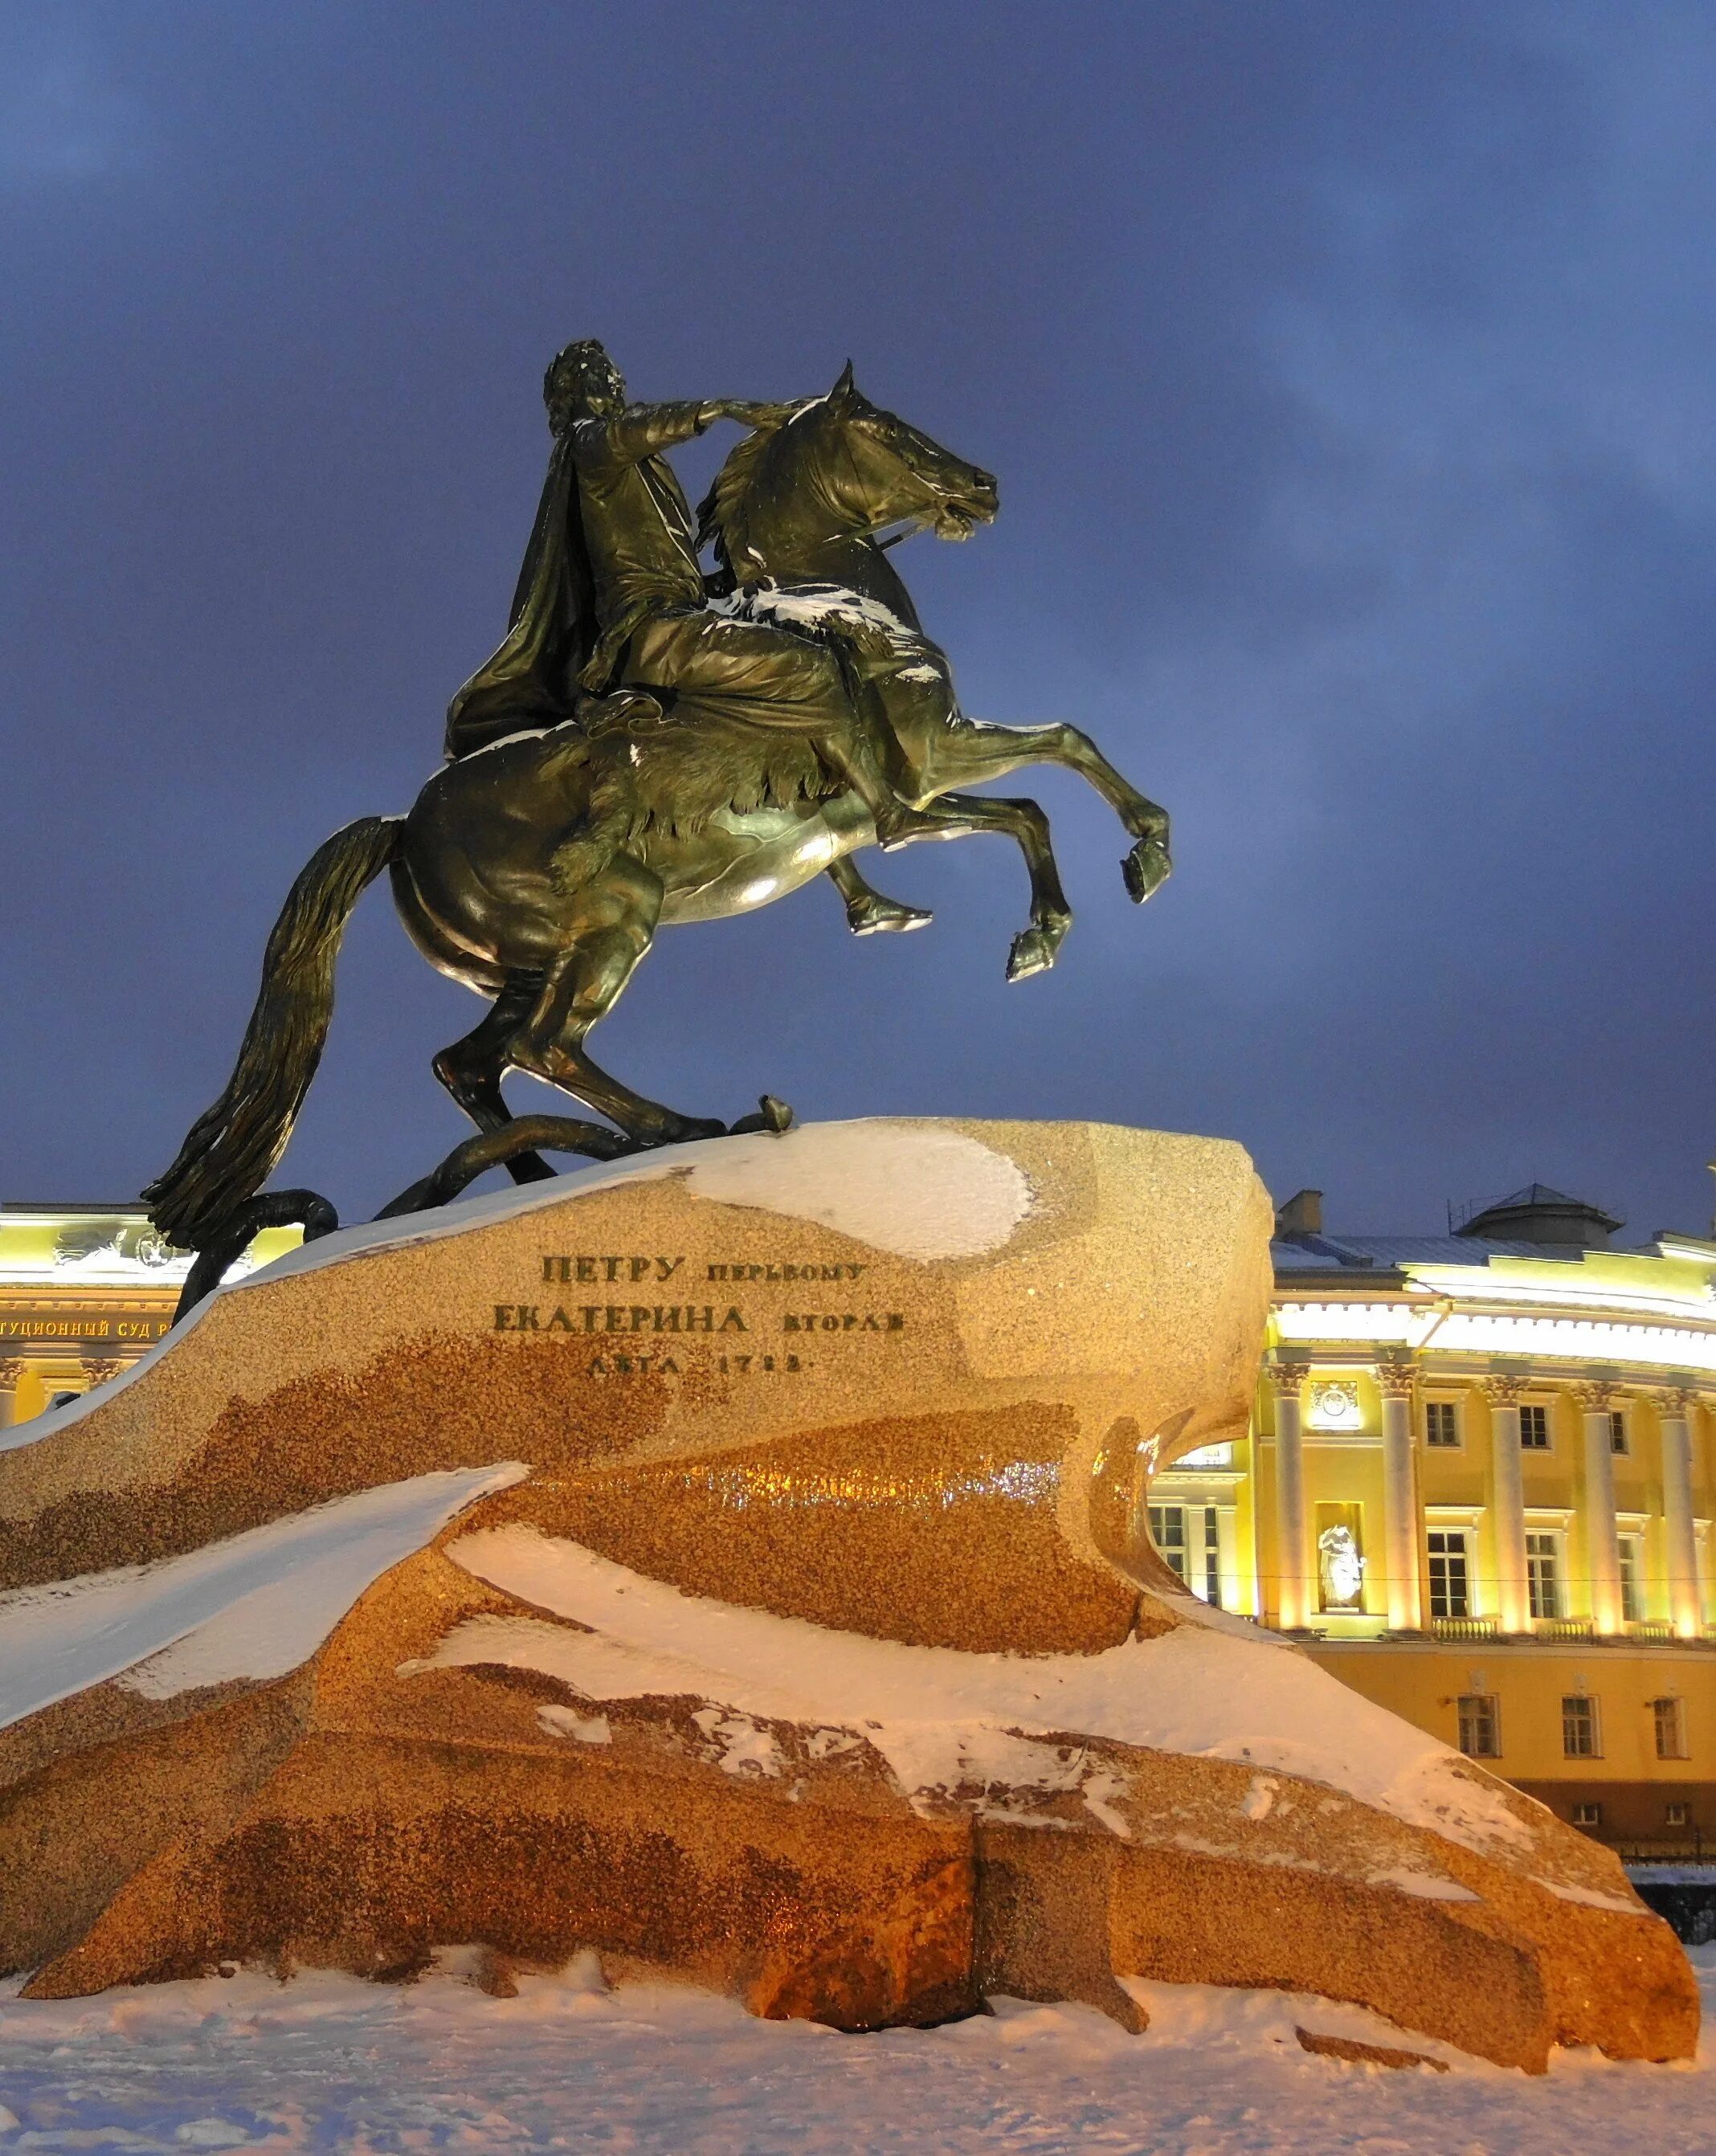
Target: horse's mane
721, 514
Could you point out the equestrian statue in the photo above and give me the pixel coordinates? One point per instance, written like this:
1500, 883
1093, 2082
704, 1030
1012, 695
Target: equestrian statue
650, 745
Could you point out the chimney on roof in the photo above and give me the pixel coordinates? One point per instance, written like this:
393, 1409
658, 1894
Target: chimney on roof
1302, 1215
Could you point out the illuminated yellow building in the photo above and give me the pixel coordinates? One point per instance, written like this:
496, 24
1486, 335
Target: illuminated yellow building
86, 1289
1478, 1482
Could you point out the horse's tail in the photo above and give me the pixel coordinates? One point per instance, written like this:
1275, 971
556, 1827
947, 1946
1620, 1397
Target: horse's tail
232, 1147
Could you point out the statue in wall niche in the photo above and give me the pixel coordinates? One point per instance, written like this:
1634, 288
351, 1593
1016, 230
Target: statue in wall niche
1340, 1568
651, 745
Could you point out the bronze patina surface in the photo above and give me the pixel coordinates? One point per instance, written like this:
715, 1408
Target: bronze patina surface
650, 747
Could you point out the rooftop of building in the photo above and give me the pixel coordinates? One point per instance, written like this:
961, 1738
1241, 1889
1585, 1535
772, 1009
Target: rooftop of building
1536, 1222
1388, 1253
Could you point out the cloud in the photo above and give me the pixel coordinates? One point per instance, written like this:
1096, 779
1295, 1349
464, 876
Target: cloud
63, 120
1351, 375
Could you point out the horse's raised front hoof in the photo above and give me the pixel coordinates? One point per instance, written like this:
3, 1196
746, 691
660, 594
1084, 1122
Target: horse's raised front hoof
1145, 868
876, 916
1033, 951
772, 1115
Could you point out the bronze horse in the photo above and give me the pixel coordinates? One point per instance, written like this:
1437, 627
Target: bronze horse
537, 870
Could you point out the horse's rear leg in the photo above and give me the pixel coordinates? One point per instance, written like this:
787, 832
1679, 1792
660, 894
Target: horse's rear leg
611, 925
472, 1068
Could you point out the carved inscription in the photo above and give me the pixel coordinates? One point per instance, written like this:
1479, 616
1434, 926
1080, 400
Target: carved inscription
843, 1320
567, 1267
670, 1328
617, 1318
786, 1272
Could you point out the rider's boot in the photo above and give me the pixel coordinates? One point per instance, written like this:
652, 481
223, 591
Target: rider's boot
871, 912
874, 913
855, 761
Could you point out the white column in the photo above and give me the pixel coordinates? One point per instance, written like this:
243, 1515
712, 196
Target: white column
1507, 1491
1400, 1497
1293, 1580
99, 1368
11, 1370
1602, 1554
1679, 1530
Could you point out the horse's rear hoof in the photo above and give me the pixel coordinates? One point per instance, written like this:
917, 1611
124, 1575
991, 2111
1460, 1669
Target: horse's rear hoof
1146, 868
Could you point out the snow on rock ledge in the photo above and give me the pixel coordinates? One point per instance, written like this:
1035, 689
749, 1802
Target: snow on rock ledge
934, 1713
252, 1607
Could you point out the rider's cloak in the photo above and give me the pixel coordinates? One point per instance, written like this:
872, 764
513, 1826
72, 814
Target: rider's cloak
532, 681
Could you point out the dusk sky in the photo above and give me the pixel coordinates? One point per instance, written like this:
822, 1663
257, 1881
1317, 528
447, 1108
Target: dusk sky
1349, 372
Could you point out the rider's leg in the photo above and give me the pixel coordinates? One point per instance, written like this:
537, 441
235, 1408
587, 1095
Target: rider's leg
869, 912
610, 923
472, 1071
850, 754
771, 677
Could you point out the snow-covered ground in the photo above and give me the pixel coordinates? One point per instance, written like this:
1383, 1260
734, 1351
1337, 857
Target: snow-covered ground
328, 2063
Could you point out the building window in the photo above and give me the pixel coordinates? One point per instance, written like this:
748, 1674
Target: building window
1197, 1564
1587, 1815
1543, 1574
1581, 1733
1480, 1726
1671, 1728
1212, 1557
1442, 1423
1168, 1532
1677, 1814
1450, 1590
1630, 1551
1534, 1427
1617, 1430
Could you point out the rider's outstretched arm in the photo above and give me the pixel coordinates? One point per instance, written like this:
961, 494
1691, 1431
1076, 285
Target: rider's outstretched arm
641, 430
758, 415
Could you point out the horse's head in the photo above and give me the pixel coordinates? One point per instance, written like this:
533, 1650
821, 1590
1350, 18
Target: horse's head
893, 474
838, 467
